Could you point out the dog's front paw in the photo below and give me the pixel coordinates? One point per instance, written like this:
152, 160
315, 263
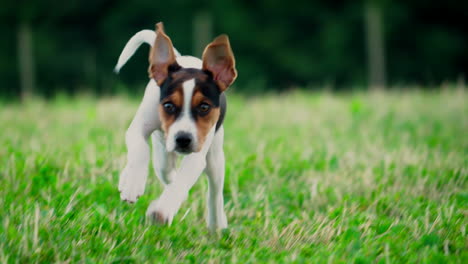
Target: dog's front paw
222, 222
131, 185
217, 222
160, 212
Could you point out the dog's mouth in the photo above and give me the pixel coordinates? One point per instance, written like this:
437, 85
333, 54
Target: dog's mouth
183, 151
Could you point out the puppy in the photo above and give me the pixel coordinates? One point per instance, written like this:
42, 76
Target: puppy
183, 109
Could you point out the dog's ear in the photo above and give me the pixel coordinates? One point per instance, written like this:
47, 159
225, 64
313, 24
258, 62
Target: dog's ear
219, 60
162, 56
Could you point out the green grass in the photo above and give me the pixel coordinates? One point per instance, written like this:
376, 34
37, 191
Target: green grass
360, 178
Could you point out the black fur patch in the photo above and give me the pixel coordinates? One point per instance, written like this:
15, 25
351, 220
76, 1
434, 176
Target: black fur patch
223, 109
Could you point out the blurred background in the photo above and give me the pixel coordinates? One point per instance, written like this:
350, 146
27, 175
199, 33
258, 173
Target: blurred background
70, 47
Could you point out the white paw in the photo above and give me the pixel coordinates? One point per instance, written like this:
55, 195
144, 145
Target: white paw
132, 184
220, 223
161, 212
223, 222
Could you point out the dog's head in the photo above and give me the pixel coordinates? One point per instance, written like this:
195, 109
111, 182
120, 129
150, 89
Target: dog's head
190, 98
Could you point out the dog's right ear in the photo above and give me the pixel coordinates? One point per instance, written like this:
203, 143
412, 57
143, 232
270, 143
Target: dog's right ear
219, 60
162, 56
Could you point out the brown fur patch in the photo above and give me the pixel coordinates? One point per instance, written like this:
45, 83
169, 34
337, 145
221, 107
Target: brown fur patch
204, 123
177, 98
161, 56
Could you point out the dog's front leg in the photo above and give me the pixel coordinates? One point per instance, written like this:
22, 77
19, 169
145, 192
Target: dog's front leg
133, 178
216, 217
164, 209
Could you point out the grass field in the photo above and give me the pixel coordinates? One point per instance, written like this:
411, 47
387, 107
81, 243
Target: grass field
359, 178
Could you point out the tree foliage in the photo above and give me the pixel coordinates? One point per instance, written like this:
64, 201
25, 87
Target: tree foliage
278, 44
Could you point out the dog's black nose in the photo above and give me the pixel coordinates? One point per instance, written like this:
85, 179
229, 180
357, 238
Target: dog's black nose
183, 140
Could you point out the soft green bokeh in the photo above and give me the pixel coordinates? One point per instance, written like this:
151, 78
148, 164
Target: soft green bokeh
75, 45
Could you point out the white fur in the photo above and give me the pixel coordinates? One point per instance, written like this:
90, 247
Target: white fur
164, 163
185, 122
177, 182
177, 191
189, 62
216, 217
133, 177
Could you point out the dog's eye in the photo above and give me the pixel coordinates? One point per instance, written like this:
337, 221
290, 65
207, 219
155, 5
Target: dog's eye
203, 108
169, 107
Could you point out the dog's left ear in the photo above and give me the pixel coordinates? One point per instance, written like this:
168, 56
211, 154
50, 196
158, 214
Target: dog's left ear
219, 60
162, 56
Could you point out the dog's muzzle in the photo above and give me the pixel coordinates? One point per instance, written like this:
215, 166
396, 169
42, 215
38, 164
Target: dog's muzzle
184, 142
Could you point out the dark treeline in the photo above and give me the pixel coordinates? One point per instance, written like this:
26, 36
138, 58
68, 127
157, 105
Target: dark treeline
71, 46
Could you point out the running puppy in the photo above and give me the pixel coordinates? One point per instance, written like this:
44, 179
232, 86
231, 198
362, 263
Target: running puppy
183, 110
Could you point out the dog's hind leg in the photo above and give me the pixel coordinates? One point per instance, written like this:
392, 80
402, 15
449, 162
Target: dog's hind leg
215, 166
163, 162
133, 178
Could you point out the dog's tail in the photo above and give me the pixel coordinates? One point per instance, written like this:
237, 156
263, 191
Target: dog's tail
144, 36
